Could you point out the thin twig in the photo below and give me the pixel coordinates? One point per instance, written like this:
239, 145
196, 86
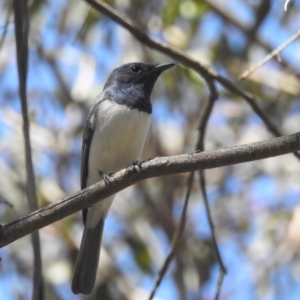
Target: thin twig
163, 215
143, 37
21, 32
180, 228
208, 110
66, 97
9, 9
206, 72
253, 103
176, 238
215, 247
82, 26
200, 146
219, 285
3, 201
228, 17
270, 56
159, 166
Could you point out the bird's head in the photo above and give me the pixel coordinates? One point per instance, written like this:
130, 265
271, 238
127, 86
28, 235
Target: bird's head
137, 75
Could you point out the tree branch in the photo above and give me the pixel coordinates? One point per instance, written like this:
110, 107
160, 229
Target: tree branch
253, 103
159, 166
21, 33
206, 72
202, 182
213, 5
8, 13
175, 239
270, 56
181, 225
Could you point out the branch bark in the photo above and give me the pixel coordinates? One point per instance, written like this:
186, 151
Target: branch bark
159, 166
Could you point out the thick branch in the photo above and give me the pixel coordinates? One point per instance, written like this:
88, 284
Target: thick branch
155, 167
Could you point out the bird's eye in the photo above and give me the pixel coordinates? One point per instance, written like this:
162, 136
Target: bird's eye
135, 69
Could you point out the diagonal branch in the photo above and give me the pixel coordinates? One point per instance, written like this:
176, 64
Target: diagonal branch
148, 41
270, 56
206, 72
253, 103
213, 5
159, 166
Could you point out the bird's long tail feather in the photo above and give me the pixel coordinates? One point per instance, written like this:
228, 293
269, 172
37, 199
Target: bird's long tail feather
87, 261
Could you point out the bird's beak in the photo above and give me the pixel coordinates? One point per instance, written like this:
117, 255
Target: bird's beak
153, 75
163, 67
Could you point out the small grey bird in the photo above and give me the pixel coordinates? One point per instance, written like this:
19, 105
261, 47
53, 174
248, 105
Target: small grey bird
116, 130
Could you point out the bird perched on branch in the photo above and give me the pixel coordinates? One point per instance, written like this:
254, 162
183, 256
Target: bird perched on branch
116, 130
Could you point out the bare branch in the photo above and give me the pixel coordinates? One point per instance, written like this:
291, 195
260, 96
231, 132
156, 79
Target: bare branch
159, 166
21, 32
200, 146
252, 102
181, 225
230, 18
49, 58
147, 40
270, 56
219, 285
5, 202
176, 238
80, 31
206, 72
9, 9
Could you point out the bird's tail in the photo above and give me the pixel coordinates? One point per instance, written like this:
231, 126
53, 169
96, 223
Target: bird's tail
87, 261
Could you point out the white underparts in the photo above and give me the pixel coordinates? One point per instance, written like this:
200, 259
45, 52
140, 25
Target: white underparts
118, 140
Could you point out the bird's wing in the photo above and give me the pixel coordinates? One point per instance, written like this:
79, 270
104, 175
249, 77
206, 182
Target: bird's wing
86, 143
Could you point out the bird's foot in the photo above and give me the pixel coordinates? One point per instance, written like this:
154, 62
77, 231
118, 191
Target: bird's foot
137, 165
106, 177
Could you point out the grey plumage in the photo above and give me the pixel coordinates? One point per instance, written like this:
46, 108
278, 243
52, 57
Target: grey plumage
86, 267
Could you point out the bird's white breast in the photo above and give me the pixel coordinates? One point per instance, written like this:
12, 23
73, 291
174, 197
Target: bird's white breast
119, 137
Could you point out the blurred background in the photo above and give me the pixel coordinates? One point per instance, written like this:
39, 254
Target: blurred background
255, 206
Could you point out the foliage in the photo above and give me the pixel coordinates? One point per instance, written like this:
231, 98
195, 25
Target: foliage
255, 205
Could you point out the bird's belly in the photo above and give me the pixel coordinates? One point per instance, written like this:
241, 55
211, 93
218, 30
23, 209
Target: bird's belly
119, 138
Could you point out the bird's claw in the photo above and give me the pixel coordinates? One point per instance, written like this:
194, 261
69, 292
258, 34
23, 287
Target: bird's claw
106, 177
137, 165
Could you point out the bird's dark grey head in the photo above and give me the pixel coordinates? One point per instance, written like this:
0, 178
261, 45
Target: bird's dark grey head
132, 84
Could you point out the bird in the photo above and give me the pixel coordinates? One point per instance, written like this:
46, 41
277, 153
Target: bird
117, 128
